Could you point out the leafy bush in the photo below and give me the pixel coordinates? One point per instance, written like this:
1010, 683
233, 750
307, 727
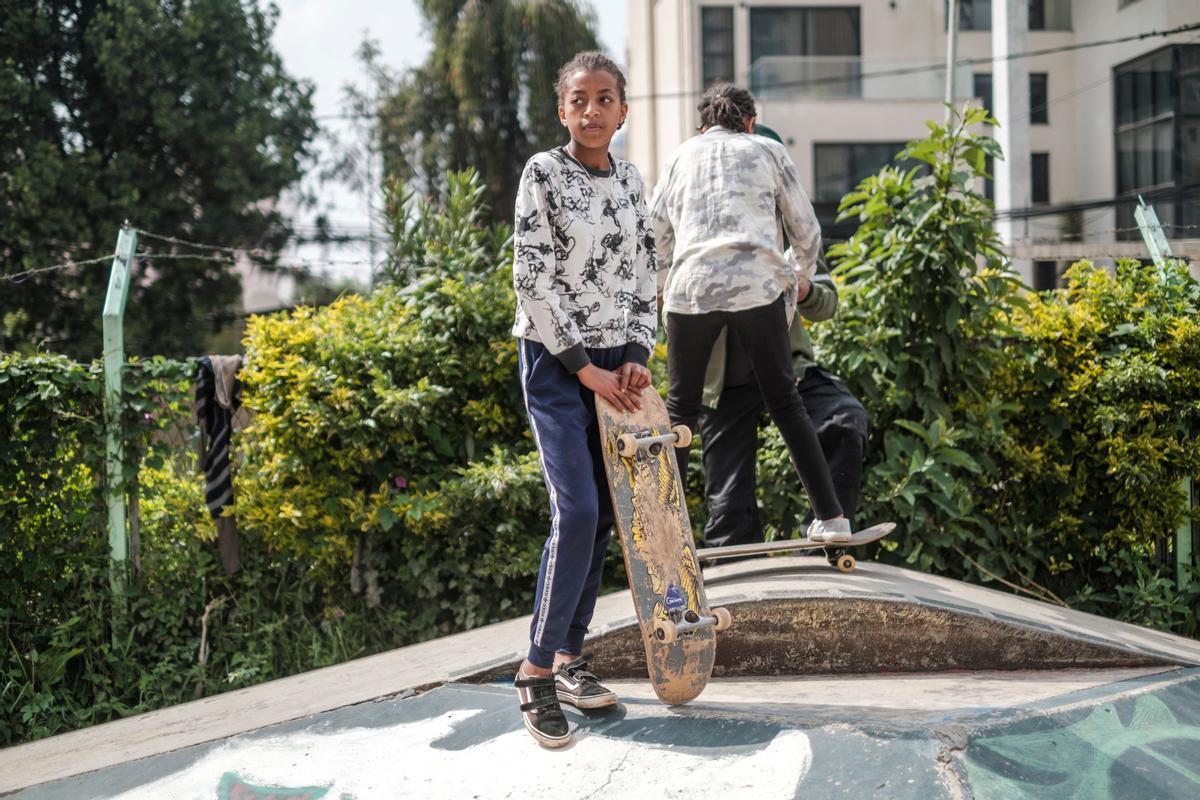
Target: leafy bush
389, 443
1102, 418
1033, 440
924, 298
60, 663
363, 407
51, 506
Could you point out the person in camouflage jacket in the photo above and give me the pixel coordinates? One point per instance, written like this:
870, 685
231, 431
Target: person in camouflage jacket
717, 215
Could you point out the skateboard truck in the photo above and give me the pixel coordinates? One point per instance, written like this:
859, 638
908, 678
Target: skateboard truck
668, 630
637, 444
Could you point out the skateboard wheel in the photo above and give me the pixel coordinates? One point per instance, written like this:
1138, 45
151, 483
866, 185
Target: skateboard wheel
724, 619
846, 563
683, 435
626, 444
665, 631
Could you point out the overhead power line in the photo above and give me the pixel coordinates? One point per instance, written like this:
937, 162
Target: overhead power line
1088, 205
212, 252
939, 66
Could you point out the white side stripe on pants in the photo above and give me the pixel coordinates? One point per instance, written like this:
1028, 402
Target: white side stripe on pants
552, 558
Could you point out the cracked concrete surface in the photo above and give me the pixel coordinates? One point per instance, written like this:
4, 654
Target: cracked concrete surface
816, 737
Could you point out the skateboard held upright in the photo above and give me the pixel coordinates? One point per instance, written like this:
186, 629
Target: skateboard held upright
677, 625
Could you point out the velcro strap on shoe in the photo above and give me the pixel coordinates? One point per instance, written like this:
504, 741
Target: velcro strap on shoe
542, 681
576, 668
543, 702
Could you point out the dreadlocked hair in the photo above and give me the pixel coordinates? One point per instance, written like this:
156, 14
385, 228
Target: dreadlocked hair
726, 105
589, 61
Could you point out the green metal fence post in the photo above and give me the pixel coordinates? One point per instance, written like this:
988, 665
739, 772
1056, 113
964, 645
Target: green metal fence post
1152, 232
114, 359
1160, 251
1183, 542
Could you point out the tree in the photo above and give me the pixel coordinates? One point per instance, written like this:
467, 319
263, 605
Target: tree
178, 117
484, 98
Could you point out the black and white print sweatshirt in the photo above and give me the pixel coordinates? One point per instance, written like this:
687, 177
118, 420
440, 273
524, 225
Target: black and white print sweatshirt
584, 269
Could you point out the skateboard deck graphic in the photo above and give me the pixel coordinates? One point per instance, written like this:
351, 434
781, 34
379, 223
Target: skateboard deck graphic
835, 551
678, 628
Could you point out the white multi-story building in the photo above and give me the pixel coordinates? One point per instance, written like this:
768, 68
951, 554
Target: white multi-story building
847, 83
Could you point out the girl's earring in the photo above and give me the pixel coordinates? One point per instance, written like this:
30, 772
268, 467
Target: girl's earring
620, 124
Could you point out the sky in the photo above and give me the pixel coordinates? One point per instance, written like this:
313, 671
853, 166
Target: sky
317, 40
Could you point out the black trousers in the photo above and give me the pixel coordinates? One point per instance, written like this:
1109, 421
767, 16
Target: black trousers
763, 331
730, 434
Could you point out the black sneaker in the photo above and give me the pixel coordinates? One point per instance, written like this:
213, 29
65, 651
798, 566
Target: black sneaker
544, 718
580, 688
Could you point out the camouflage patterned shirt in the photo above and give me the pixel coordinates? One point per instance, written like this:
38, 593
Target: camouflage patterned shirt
717, 215
584, 263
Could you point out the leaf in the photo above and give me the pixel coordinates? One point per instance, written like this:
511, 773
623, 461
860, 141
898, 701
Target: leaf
958, 458
387, 519
913, 427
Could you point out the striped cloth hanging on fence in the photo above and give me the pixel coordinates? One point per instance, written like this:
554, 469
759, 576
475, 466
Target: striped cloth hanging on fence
218, 397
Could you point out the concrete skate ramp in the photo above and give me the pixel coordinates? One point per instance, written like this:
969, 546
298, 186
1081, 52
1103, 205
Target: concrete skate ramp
797, 616
874, 702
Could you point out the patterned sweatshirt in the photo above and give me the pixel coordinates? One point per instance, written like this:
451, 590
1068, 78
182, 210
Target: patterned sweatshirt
584, 264
717, 213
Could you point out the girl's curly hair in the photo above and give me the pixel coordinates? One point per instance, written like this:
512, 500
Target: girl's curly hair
589, 61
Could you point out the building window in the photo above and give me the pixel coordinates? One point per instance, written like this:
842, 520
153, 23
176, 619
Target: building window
1039, 173
1044, 15
1045, 275
1157, 137
982, 88
826, 31
973, 15
837, 168
1039, 178
716, 43
792, 47
1039, 100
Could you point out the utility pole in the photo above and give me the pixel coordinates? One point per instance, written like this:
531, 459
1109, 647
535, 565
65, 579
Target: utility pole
1010, 87
951, 52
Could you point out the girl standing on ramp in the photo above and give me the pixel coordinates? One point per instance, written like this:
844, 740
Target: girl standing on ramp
585, 283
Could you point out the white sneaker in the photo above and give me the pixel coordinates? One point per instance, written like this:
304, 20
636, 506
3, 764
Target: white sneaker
830, 530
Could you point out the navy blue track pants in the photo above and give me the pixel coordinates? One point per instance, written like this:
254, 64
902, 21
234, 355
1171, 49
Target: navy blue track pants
562, 416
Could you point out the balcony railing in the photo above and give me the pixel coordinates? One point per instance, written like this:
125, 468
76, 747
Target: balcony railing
774, 78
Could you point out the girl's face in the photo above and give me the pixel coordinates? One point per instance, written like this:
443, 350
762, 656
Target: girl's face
591, 108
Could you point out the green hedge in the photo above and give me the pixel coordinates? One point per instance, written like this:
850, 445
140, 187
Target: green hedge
63, 660
1101, 426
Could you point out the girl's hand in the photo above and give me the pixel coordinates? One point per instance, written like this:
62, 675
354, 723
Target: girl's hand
634, 377
607, 384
